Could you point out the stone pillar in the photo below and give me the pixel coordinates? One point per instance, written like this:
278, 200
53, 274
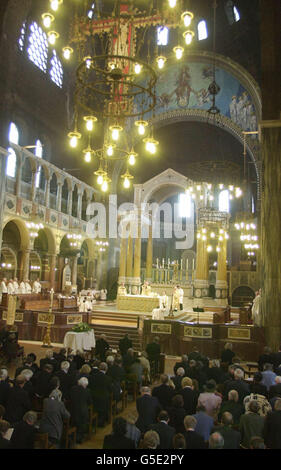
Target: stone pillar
271, 156
79, 204
18, 176
45, 268
201, 283
3, 163
33, 185
69, 201
24, 265
136, 281
129, 265
74, 272
59, 195
149, 255
221, 281
88, 202
53, 265
47, 192
123, 247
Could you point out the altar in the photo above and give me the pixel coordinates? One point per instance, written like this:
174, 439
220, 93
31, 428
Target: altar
137, 303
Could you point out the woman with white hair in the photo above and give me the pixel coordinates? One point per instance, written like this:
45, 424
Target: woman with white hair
54, 413
28, 386
80, 400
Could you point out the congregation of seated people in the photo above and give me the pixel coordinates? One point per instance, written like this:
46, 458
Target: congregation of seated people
205, 404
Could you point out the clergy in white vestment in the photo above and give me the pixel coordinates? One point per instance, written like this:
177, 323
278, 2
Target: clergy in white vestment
181, 294
4, 289
36, 286
164, 301
16, 286
103, 294
28, 289
122, 289
22, 288
256, 309
10, 287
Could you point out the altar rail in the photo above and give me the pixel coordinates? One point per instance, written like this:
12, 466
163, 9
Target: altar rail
177, 338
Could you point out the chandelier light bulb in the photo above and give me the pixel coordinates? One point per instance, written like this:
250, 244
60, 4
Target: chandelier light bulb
115, 134
172, 3
74, 136
55, 4
109, 150
187, 17
67, 52
104, 186
178, 50
52, 37
212, 235
90, 122
100, 179
150, 145
132, 159
88, 157
73, 141
141, 129
211, 198
161, 61
138, 68
209, 248
188, 36
126, 183
48, 18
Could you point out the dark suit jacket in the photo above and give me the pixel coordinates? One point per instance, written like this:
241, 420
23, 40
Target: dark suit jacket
227, 355
4, 443
272, 430
101, 388
53, 362
101, 347
124, 344
23, 436
177, 381
148, 408
194, 440
54, 413
166, 434
41, 382
190, 398
117, 442
80, 399
153, 350
231, 437
177, 416
164, 393
5, 389
67, 380
275, 391
17, 405
182, 364
240, 386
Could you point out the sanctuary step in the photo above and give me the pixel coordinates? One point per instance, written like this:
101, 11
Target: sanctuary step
114, 334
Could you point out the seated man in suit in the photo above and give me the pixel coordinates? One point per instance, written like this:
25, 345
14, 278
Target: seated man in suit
164, 392
101, 389
101, 347
24, 432
148, 408
164, 431
80, 400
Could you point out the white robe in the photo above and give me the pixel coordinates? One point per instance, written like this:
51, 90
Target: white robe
22, 289
4, 289
10, 288
36, 287
181, 294
256, 311
28, 289
16, 287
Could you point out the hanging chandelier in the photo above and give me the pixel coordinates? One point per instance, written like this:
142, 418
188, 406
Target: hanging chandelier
116, 70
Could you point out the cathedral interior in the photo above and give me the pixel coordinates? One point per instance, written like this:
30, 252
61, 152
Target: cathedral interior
144, 116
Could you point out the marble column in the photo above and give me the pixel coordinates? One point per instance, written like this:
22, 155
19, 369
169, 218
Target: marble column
69, 202
136, 281
47, 192
201, 282
74, 271
221, 280
129, 265
270, 132
53, 265
18, 176
149, 255
33, 185
122, 265
59, 196
3, 164
45, 268
271, 235
24, 265
79, 204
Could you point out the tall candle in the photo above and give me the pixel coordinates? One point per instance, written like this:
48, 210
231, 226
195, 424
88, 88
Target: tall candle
163, 262
187, 264
157, 263
193, 263
181, 264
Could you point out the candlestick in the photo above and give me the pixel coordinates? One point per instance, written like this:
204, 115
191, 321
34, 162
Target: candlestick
187, 264
193, 264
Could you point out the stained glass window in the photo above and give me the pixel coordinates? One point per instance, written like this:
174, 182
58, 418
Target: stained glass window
202, 30
12, 158
38, 46
38, 153
162, 35
56, 71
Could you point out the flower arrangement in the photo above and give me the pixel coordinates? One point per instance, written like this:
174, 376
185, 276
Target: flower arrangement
81, 328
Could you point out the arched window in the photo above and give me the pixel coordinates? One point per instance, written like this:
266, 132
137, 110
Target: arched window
12, 158
224, 201
91, 11
56, 71
22, 36
162, 35
202, 30
38, 46
185, 205
38, 153
236, 14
